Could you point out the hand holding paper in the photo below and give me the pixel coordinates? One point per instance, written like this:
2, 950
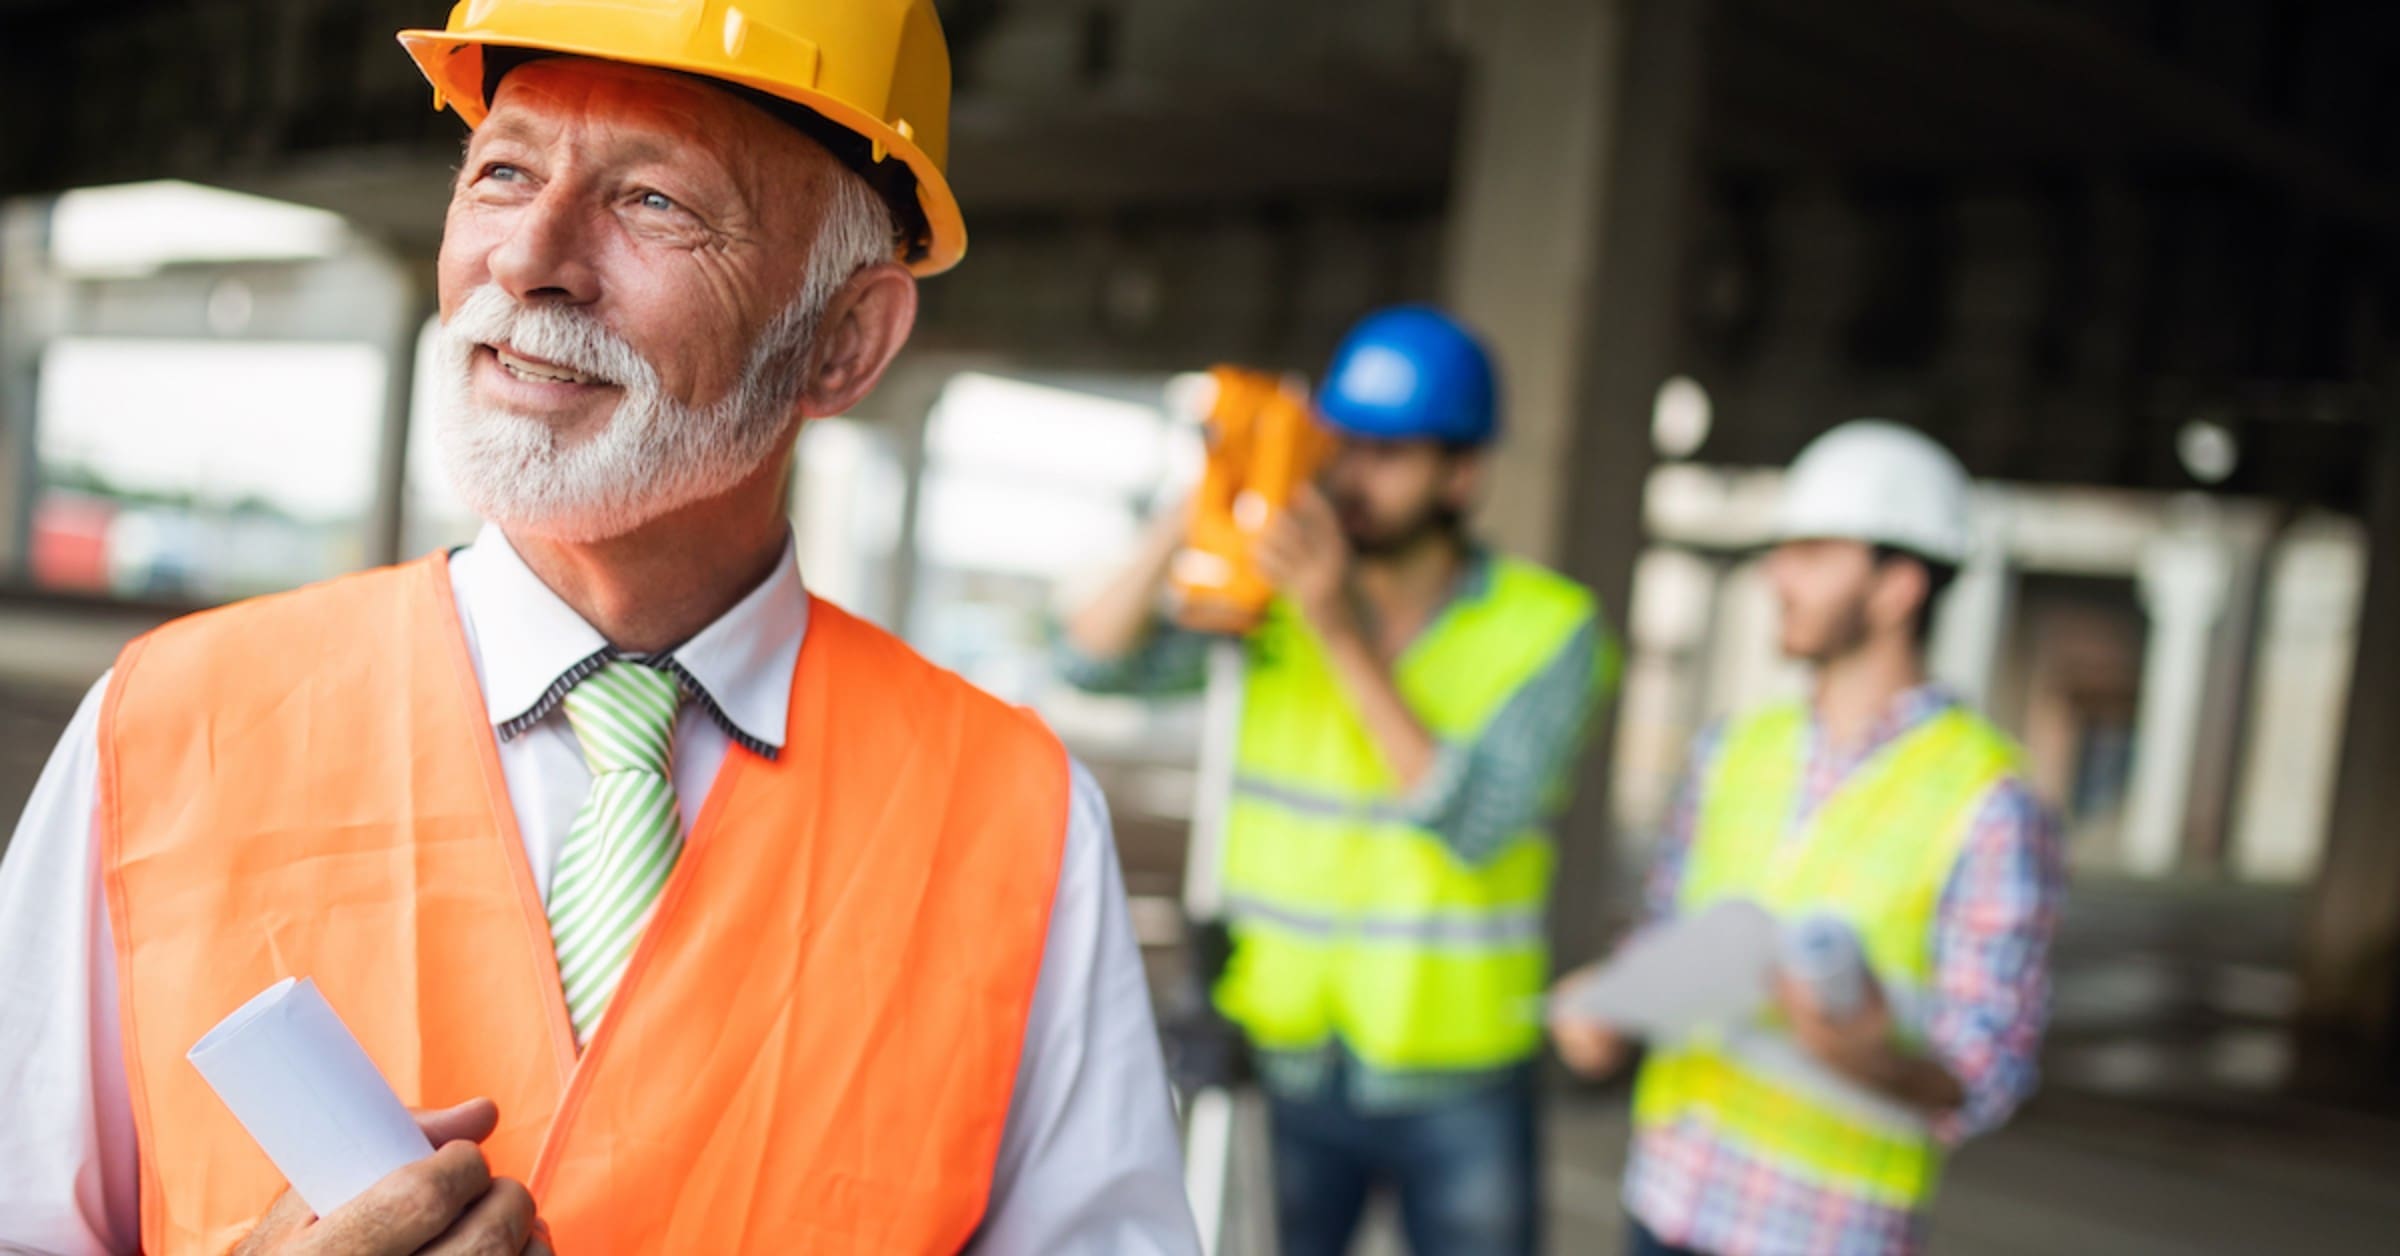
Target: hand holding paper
447, 1201
365, 1176
300, 1083
1700, 971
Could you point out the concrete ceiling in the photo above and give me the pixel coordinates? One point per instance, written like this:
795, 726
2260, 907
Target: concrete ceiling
2188, 194
1158, 108
1078, 106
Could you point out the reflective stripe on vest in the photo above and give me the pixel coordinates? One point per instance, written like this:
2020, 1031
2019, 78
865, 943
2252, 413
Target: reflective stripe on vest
813, 1045
1878, 854
1348, 920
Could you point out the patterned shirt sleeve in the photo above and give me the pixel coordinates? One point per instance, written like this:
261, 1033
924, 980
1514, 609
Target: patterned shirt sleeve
1664, 882
1991, 961
1482, 793
1170, 662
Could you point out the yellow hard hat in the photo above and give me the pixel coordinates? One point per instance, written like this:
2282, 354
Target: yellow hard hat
878, 71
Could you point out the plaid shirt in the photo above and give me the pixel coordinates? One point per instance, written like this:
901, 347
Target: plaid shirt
1990, 998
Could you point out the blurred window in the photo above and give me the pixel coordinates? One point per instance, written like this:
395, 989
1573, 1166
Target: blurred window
136, 229
848, 496
201, 469
208, 390
432, 517
1031, 489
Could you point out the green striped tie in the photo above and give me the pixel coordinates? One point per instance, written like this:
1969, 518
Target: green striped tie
625, 837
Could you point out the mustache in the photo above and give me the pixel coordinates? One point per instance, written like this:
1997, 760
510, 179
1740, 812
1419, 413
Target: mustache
565, 335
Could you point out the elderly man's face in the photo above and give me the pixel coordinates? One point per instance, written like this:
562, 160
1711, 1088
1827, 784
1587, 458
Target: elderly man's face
645, 284
673, 213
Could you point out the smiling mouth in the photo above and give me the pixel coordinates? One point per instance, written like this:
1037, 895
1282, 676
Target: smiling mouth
535, 371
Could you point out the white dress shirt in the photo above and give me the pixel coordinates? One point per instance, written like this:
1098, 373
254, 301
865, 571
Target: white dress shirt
1088, 1160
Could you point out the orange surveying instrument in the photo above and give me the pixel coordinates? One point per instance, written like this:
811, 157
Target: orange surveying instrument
1263, 444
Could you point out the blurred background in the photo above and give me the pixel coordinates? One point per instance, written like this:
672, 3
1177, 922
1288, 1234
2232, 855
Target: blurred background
2136, 261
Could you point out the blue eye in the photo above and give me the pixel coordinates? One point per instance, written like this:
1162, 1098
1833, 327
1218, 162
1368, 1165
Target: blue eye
656, 200
501, 170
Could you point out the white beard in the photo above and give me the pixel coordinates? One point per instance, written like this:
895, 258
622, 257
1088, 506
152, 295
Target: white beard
655, 455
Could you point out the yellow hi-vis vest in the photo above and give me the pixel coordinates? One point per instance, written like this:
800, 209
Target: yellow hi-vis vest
1878, 854
1350, 922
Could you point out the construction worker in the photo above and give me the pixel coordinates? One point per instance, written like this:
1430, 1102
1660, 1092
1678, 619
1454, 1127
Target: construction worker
1885, 803
720, 920
1412, 704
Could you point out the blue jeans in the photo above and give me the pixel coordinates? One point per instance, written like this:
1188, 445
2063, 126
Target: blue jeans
1467, 1172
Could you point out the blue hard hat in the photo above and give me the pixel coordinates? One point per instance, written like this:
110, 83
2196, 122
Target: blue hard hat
1412, 372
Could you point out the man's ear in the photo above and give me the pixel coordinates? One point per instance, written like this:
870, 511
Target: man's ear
1901, 587
863, 327
1463, 482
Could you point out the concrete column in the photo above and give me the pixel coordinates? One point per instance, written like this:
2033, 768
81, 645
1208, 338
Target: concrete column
1660, 705
412, 302
2226, 718
1974, 618
1574, 186
2183, 582
2299, 687
2350, 964
1526, 220
26, 300
900, 407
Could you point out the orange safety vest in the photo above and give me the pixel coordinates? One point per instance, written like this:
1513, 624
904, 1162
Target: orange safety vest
813, 1045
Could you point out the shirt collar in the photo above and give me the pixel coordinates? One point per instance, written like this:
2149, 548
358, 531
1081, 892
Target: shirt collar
533, 647
1475, 574
1913, 707
741, 666
1473, 583
1908, 709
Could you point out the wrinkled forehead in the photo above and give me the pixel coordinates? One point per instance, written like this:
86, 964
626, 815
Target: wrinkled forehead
752, 175
658, 107
560, 90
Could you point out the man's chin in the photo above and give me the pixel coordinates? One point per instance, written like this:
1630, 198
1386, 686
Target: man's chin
1375, 540
556, 430
1818, 654
572, 526
1383, 545
552, 533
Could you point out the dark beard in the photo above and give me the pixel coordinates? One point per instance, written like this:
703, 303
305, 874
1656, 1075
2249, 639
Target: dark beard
1440, 521
1845, 637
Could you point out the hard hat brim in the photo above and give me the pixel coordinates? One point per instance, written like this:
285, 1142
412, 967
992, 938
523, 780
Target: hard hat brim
1342, 421
1946, 553
457, 80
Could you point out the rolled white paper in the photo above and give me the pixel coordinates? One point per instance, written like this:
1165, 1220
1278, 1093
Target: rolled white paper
1693, 974
1822, 952
297, 1079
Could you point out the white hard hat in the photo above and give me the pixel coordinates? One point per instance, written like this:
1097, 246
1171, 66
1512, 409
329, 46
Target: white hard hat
1875, 481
